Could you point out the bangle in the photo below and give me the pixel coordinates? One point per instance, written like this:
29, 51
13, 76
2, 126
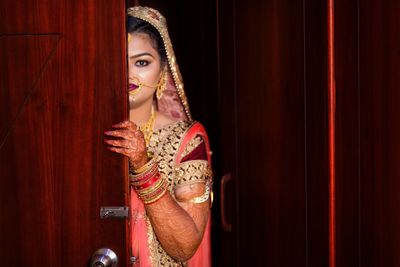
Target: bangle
145, 166
141, 178
153, 187
148, 183
149, 202
153, 192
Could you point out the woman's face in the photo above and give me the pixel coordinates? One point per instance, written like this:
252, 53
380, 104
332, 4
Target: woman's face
144, 66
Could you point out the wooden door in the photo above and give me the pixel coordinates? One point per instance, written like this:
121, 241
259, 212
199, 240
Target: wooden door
62, 83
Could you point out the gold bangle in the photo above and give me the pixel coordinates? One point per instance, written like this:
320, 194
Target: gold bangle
148, 202
157, 184
145, 166
205, 196
155, 195
155, 192
143, 177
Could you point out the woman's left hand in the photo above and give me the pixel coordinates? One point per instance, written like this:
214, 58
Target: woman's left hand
130, 144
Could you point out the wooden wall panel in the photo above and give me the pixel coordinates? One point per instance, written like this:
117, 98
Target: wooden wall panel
347, 133
367, 64
280, 104
379, 69
271, 121
226, 232
316, 131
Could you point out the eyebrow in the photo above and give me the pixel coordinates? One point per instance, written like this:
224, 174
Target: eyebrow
141, 54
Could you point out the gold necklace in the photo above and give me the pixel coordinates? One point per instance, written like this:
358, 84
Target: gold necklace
147, 128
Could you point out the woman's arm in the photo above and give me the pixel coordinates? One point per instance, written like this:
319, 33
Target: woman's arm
180, 224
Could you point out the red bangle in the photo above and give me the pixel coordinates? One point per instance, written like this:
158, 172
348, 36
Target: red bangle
148, 183
154, 195
144, 177
156, 191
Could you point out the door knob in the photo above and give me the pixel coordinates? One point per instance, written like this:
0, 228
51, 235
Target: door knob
104, 257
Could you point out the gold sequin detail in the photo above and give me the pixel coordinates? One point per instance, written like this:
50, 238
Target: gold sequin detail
192, 171
195, 142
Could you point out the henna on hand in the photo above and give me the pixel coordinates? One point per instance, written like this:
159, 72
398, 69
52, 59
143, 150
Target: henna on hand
130, 142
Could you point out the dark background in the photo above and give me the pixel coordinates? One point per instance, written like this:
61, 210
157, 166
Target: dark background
256, 76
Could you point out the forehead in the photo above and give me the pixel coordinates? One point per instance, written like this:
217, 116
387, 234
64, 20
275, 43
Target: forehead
140, 42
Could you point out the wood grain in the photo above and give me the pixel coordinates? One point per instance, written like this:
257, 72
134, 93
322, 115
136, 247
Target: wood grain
63, 87
368, 144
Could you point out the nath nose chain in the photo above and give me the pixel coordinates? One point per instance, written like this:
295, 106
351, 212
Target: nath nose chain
135, 86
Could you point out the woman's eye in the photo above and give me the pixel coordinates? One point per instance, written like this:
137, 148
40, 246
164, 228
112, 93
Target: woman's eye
142, 63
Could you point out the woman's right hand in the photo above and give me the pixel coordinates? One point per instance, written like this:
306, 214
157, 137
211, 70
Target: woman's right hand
131, 142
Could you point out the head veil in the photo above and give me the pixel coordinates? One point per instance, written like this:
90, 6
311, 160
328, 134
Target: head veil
173, 103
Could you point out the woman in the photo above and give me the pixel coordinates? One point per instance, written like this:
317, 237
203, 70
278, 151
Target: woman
170, 173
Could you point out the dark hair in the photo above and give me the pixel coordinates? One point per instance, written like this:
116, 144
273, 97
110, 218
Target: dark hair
136, 25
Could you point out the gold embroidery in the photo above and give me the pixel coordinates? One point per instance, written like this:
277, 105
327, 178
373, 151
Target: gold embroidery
195, 171
153, 243
195, 142
192, 171
164, 144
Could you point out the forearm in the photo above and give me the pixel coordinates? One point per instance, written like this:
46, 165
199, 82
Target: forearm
179, 232
179, 224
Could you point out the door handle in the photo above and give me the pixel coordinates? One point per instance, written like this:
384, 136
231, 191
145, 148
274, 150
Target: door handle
226, 226
104, 257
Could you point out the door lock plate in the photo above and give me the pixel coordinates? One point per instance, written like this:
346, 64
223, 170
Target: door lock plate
114, 212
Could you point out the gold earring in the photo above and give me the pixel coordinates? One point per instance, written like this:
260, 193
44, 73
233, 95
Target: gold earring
162, 85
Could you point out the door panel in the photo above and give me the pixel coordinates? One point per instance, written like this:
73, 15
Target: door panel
271, 121
19, 50
274, 65
367, 65
63, 87
226, 247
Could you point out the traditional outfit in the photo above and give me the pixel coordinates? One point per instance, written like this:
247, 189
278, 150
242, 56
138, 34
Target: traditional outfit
183, 155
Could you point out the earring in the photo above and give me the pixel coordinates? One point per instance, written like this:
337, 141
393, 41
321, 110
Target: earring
162, 85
